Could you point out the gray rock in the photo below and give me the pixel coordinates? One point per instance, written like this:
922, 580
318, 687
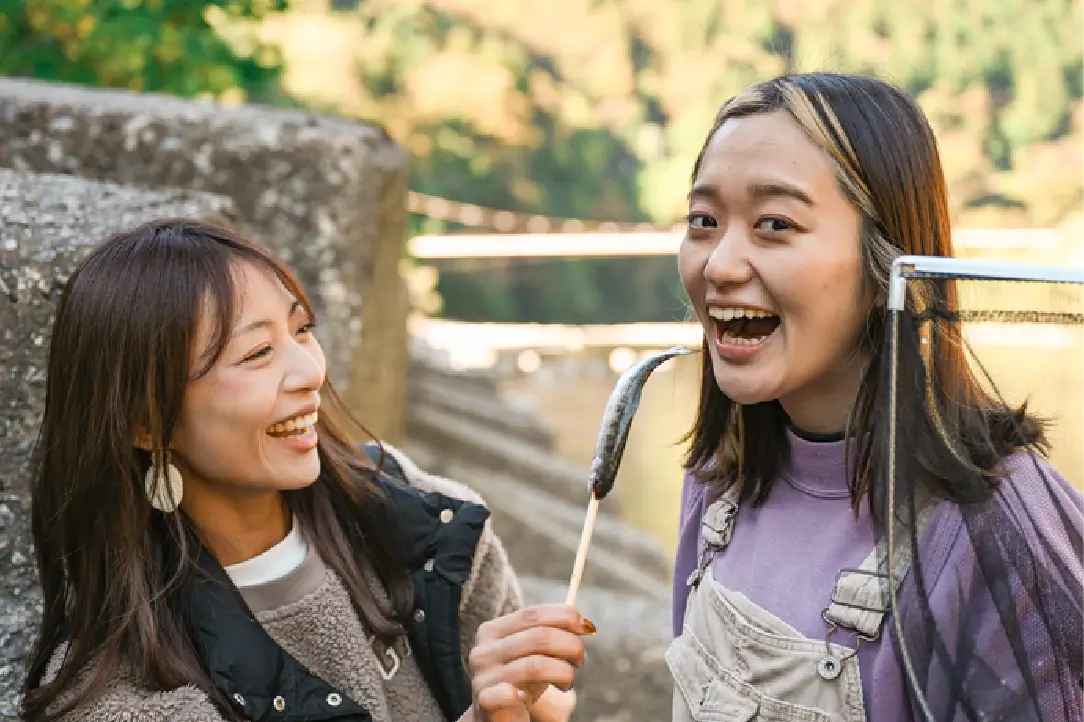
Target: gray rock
48, 224
327, 194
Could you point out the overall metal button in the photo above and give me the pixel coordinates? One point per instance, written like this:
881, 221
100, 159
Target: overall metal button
280, 703
429, 564
419, 616
829, 667
238, 699
446, 515
334, 699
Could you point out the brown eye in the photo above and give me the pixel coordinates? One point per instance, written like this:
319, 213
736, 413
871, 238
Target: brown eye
701, 221
774, 225
258, 354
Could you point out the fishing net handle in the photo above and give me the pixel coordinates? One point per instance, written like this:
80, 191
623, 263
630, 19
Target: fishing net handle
906, 268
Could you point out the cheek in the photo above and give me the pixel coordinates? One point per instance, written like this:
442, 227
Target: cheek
832, 308
691, 259
224, 415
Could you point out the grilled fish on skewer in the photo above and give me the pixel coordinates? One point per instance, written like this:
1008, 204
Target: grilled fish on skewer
617, 419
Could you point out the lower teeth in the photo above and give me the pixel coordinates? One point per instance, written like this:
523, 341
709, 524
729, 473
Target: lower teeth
742, 341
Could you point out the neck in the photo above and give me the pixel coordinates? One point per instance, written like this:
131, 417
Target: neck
824, 406
238, 528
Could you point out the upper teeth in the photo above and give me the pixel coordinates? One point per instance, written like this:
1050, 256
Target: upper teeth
729, 314
298, 422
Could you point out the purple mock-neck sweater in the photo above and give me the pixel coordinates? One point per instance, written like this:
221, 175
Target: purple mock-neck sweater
784, 555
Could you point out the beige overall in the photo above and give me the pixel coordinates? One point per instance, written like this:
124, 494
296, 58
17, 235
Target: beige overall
736, 662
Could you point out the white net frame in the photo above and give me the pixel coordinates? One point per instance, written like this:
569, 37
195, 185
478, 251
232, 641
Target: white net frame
906, 269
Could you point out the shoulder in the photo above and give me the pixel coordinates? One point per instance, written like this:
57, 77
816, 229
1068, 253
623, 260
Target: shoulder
424, 481
1031, 520
123, 700
694, 492
492, 589
1002, 581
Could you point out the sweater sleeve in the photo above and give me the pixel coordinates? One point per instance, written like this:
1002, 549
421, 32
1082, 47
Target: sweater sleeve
123, 700
1004, 598
492, 590
692, 511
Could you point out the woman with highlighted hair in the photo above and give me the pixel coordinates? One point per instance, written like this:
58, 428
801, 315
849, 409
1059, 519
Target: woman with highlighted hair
806, 190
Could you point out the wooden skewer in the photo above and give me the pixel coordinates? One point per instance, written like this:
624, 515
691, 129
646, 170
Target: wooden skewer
581, 552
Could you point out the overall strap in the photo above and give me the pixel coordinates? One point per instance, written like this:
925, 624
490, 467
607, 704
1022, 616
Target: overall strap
860, 597
717, 526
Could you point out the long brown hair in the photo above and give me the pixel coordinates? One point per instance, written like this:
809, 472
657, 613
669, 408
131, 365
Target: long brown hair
885, 158
110, 565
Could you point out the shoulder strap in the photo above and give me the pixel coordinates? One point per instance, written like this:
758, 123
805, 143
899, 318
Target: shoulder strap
860, 597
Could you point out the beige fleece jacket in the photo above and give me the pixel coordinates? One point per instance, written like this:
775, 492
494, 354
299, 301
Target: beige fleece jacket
309, 614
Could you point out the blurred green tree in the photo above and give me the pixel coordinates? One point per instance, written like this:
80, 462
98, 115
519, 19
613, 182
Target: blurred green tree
170, 46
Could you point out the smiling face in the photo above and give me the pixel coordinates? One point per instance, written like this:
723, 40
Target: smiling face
247, 425
771, 262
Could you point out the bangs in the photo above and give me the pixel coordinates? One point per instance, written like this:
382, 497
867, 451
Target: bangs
217, 292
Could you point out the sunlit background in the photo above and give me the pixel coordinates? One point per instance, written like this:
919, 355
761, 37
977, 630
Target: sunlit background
551, 144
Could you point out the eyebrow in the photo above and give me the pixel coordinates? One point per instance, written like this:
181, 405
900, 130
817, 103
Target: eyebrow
710, 191
263, 322
779, 190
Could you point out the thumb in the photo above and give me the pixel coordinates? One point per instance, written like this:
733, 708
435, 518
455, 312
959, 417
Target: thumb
511, 715
502, 703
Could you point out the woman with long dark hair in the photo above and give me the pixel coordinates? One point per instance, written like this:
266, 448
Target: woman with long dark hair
806, 190
214, 545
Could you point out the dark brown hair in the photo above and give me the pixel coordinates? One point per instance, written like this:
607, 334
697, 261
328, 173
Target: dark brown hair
885, 158
111, 566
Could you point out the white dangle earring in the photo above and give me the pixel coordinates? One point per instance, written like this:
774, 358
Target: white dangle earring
164, 494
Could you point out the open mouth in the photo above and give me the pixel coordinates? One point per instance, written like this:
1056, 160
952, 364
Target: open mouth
297, 426
743, 326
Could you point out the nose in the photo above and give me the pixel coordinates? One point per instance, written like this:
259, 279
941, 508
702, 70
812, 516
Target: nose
729, 263
307, 367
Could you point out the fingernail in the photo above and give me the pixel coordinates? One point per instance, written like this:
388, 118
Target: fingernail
522, 695
588, 626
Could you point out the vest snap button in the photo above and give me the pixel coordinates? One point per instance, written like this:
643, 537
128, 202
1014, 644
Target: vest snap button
419, 616
446, 515
334, 699
429, 564
238, 699
280, 704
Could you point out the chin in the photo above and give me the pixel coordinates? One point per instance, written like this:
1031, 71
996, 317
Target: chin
744, 388
746, 391
300, 479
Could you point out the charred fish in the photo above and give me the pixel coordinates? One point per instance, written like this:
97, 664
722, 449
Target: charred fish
617, 419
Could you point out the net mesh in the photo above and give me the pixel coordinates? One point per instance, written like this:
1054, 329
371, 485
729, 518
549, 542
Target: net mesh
983, 391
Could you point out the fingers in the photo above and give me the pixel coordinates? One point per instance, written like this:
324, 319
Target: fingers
534, 671
517, 657
560, 616
546, 641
